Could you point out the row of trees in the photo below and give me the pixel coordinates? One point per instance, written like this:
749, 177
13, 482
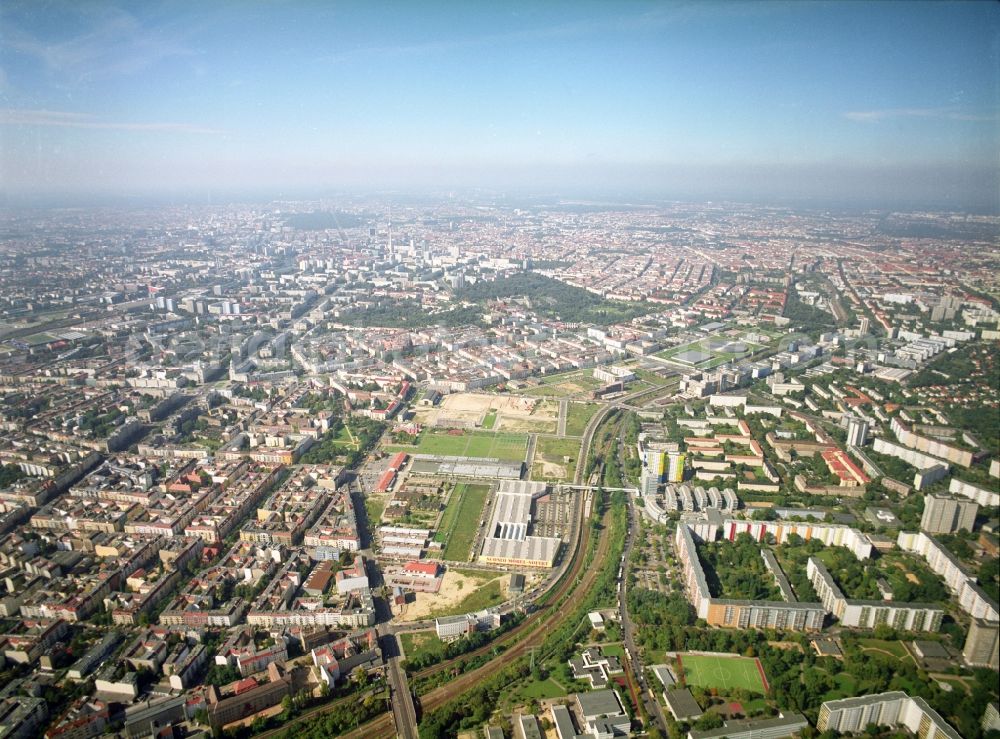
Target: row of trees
473, 708
337, 720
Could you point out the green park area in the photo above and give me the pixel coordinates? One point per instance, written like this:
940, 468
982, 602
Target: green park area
884, 646
613, 650
723, 672
838, 684
541, 690
374, 508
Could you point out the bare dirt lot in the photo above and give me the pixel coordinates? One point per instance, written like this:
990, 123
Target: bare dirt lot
552, 471
492, 412
455, 588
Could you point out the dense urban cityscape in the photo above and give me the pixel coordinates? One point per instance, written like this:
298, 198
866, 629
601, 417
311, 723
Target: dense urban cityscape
516, 370
374, 467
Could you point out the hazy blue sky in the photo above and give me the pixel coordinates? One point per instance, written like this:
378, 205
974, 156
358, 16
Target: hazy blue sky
777, 99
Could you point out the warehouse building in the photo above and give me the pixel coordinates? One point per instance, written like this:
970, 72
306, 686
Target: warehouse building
508, 540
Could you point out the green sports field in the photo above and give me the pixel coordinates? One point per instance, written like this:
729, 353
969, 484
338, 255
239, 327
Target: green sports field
509, 447
723, 672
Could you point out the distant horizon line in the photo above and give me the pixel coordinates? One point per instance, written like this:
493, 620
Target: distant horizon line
221, 197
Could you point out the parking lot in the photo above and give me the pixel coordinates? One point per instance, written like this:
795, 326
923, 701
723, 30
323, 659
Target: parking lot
654, 564
553, 512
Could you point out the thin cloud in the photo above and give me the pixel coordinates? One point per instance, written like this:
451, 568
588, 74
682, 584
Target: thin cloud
952, 114
657, 18
114, 43
67, 119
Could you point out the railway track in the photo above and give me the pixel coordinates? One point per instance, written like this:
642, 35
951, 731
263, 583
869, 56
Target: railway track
536, 626
442, 694
540, 628
562, 585
313, 712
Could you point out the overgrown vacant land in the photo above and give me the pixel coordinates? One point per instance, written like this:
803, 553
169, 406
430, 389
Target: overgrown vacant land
578, 415
578, 384
462, 591
460, 520
555, 459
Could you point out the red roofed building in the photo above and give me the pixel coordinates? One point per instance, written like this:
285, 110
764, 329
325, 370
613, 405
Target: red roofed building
397, 462
420, 577
242, 686
224, 708
319, 579
858, 398
843, 467
422, 569
85, 718
385, 481
251, 661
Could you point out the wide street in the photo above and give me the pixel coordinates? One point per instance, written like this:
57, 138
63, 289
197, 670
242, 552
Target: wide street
634, 661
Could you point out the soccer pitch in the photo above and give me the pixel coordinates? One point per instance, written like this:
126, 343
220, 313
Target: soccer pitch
723, 672
508, 447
